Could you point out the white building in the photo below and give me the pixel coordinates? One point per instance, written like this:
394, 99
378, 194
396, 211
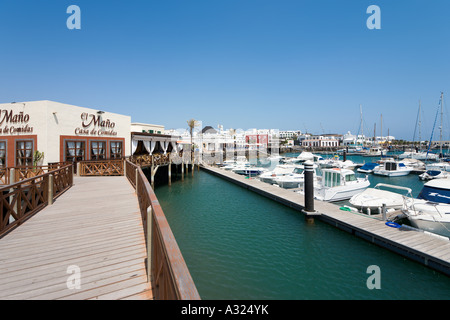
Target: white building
62, 132
289, 134
147, 128
321, 141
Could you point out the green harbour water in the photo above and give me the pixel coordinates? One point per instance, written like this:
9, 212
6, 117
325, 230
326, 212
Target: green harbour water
240, 245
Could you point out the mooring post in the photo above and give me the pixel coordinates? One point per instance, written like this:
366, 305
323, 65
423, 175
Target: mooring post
383, 211
309, 186
345, 155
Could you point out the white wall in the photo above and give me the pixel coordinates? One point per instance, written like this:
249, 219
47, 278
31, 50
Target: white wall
49, 120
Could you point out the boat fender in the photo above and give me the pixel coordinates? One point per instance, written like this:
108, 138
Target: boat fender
392, 224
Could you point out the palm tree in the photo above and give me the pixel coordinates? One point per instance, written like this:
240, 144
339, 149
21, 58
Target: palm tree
192, 123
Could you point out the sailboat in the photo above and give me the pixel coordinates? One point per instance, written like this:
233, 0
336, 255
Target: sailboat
417, 153
441, 165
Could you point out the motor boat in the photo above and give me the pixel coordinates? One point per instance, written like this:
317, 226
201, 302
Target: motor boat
430, 216
368, 167
414, 163
292, 180
436, 191
278, 171
302, 157
434, 174
442, 165
295, 179
249, 170
392, 168
336, 163
240, 161
339, 184
375, 152
418, 155
431, 210
372, 200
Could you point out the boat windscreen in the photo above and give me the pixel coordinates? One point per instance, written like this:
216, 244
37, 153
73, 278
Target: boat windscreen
435, 194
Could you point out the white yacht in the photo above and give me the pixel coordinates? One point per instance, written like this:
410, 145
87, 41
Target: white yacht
302, 157
371, 200
296, 178
418, 155
336, 163
292, 180
368, 167
278, 171
431, 211
430, 216
240, 161
443, 166
339, 184
392, 168
434, 174
375, 152
249, 170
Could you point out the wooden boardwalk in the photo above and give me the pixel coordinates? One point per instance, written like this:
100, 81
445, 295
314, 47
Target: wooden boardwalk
96, 227
418, 246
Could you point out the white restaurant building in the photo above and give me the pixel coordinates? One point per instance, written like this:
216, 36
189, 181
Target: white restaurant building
62, 132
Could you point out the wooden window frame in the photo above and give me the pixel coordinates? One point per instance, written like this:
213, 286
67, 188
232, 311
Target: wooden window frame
16, 150
105, 148
66, 149
111, 154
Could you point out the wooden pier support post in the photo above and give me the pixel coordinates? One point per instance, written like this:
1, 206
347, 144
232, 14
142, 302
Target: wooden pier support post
170, 172
182, 171
309, 190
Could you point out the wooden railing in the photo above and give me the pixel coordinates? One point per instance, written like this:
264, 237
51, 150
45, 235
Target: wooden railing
167, 268
21, 200
101, 168
157, 159
26, 172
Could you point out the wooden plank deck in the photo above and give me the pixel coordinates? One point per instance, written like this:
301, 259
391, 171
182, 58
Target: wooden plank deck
418, 246
96, 225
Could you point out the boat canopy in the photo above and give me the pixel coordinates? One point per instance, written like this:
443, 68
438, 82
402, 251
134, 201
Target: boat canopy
434, 194
369, 166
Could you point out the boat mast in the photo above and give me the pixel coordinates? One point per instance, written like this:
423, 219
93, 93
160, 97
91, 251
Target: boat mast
440, 136
418, 123
362, 127
381, 130
420, 128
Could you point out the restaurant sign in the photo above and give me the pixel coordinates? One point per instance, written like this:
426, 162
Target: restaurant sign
92, 124
14, 123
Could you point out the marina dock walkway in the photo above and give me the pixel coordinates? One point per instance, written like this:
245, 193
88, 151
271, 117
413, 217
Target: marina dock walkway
424, 248
93, 232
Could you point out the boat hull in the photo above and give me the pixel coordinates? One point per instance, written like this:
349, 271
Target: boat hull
440, 228
340, 193
388, 173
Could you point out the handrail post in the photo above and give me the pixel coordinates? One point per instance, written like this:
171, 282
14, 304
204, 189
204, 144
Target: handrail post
50, 189
79, 169
136, 181
149, 242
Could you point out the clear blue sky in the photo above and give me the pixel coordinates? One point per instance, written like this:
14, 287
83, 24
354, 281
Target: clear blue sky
286, 64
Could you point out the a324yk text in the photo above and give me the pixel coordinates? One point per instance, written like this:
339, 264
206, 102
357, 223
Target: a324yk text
231, 309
